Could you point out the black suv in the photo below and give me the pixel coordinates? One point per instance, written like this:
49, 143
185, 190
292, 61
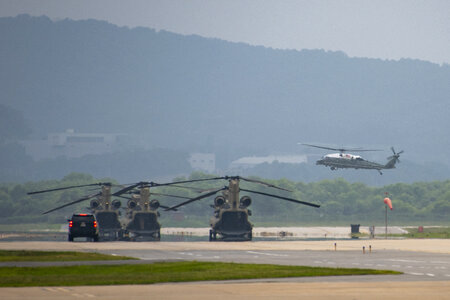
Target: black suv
83, 225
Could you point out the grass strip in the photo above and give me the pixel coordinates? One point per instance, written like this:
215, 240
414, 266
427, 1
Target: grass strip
23, 255
162, 272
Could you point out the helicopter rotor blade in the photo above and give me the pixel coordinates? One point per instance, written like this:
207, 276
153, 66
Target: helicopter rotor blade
263, 183
126, 189
69, 187
123, 197
198, 190
188, 181
284, 198
167, 208
341, 149
197, 198
168, 195
73, 202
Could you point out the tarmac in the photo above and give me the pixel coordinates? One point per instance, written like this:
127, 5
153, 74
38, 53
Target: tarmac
350, 287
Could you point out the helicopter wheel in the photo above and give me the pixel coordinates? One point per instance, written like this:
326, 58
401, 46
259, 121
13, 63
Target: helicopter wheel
212, 235
70, 238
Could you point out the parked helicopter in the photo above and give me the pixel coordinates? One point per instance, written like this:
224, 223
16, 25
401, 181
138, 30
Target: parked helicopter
105, 210
142, 213
230, 219
344, 160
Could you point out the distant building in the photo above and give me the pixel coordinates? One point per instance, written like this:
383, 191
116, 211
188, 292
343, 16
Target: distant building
203, 162
71, 144
251, 161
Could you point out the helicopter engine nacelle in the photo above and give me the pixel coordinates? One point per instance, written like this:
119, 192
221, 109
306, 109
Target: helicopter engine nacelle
116, 204
94, 203
245, 201
131, 204
219, 201
154, 204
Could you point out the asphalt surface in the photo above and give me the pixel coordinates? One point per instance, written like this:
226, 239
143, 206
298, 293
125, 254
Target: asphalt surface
425, 263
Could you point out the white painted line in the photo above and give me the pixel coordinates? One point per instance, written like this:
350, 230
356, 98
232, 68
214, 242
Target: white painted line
440, 262
268, 254
417, 274
406, 260
429, 274
89, 295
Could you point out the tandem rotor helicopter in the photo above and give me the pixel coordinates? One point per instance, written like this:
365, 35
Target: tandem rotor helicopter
230, 220
105, 210
344, 160
142, 214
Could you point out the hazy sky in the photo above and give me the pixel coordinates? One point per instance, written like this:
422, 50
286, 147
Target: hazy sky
387, 29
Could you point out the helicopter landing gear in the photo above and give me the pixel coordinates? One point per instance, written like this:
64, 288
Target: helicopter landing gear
212, 235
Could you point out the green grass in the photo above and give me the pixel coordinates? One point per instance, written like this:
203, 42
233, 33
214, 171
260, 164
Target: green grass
428, 233
23, 255
161, 272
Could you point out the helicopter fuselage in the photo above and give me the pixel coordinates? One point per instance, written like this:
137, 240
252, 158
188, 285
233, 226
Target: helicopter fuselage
345, 160
231, 224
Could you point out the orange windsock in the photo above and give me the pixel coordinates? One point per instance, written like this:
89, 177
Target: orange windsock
388, 202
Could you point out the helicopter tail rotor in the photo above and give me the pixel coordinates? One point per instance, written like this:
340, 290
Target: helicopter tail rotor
393, 159
396, 155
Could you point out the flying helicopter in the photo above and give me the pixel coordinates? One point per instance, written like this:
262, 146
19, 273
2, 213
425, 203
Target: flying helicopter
142, 213
344, 160
105, 210
230, 220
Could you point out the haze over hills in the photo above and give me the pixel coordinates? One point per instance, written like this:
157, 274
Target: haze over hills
199, 94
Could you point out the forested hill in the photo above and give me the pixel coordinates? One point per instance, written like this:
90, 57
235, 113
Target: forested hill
206, 94
421, 203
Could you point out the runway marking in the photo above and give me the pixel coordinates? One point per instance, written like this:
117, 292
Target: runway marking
416, 274
407, 260
63, 290
268, 254
429, 274
440, 262
50, 289
83, 295
396, 266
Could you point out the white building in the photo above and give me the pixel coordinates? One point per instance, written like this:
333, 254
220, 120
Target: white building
251, 161
71, 145
203, 162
